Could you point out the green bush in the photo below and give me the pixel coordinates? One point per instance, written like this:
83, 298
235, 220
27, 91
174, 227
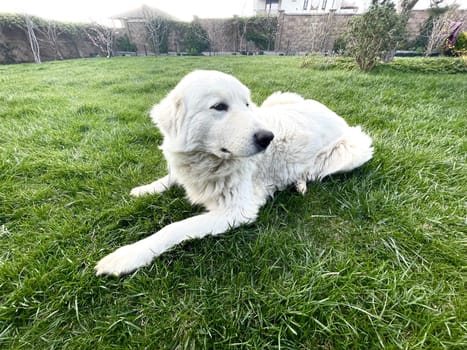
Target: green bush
11, 20
320, 62
340, 45
374, 34
435, 65
460, 47
195, 39
262, 31
123, 43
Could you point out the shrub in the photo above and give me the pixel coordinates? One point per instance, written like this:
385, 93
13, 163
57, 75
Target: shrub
320, 62
123, 43
422, 40
194, 38
460, 47
262, 31
374, 34
437, 65
340, 45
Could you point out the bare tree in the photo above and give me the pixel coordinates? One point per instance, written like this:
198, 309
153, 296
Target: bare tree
441, 29
50, 33
157, 29
436, 3
407, 5
32, 38
215, 30
321, 32
102, 37
272, 30
241, 25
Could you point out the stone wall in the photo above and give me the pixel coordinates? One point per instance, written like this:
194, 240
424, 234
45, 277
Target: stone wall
136, 32
416, 21
419, 17
221, 35
309, 32
317, 32
15, 46
297, 33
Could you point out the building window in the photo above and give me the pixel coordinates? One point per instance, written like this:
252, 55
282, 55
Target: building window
305, 4
325, 2
271, 5
315, 4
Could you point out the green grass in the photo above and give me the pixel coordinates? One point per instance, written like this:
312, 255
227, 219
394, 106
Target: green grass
371, 259
449, 65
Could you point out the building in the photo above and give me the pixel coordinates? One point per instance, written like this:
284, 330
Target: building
311, 6
295, 7
134, 24
141, 14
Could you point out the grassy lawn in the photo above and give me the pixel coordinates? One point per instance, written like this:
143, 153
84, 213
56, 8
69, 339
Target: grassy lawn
371, 259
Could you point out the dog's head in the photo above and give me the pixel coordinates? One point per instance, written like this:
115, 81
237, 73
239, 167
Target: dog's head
212, 112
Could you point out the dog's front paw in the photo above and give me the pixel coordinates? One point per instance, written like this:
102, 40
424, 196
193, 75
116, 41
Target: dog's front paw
155, 187
124, 260
301, 186
141, 191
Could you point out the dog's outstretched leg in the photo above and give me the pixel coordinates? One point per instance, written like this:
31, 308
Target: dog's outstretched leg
300, 186
157, 186
130, 257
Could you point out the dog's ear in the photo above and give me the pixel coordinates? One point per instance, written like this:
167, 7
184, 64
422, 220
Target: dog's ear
168, 114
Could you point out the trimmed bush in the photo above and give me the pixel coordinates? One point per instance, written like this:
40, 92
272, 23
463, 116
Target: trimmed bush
374, 34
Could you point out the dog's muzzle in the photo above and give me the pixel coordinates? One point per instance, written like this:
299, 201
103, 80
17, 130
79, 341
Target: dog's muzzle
262, 139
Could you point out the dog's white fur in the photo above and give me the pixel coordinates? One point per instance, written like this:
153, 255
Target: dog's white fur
211, 151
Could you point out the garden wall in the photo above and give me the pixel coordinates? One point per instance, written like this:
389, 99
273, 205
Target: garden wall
419, 17
222, 36
15, 47
305, 33
294, 34
309, 32
136, 32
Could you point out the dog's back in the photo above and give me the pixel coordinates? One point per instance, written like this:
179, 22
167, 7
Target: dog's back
311, 142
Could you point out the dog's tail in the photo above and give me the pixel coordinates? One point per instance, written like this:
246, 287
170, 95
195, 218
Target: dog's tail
350, 151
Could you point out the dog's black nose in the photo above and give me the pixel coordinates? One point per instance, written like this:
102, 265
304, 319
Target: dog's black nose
263, 138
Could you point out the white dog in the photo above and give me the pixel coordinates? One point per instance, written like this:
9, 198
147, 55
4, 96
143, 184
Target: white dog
230, 156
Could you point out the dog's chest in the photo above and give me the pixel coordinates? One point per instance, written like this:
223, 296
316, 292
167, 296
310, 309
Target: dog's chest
211, 181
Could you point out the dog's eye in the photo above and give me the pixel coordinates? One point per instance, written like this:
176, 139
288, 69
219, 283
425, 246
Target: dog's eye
220, 107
